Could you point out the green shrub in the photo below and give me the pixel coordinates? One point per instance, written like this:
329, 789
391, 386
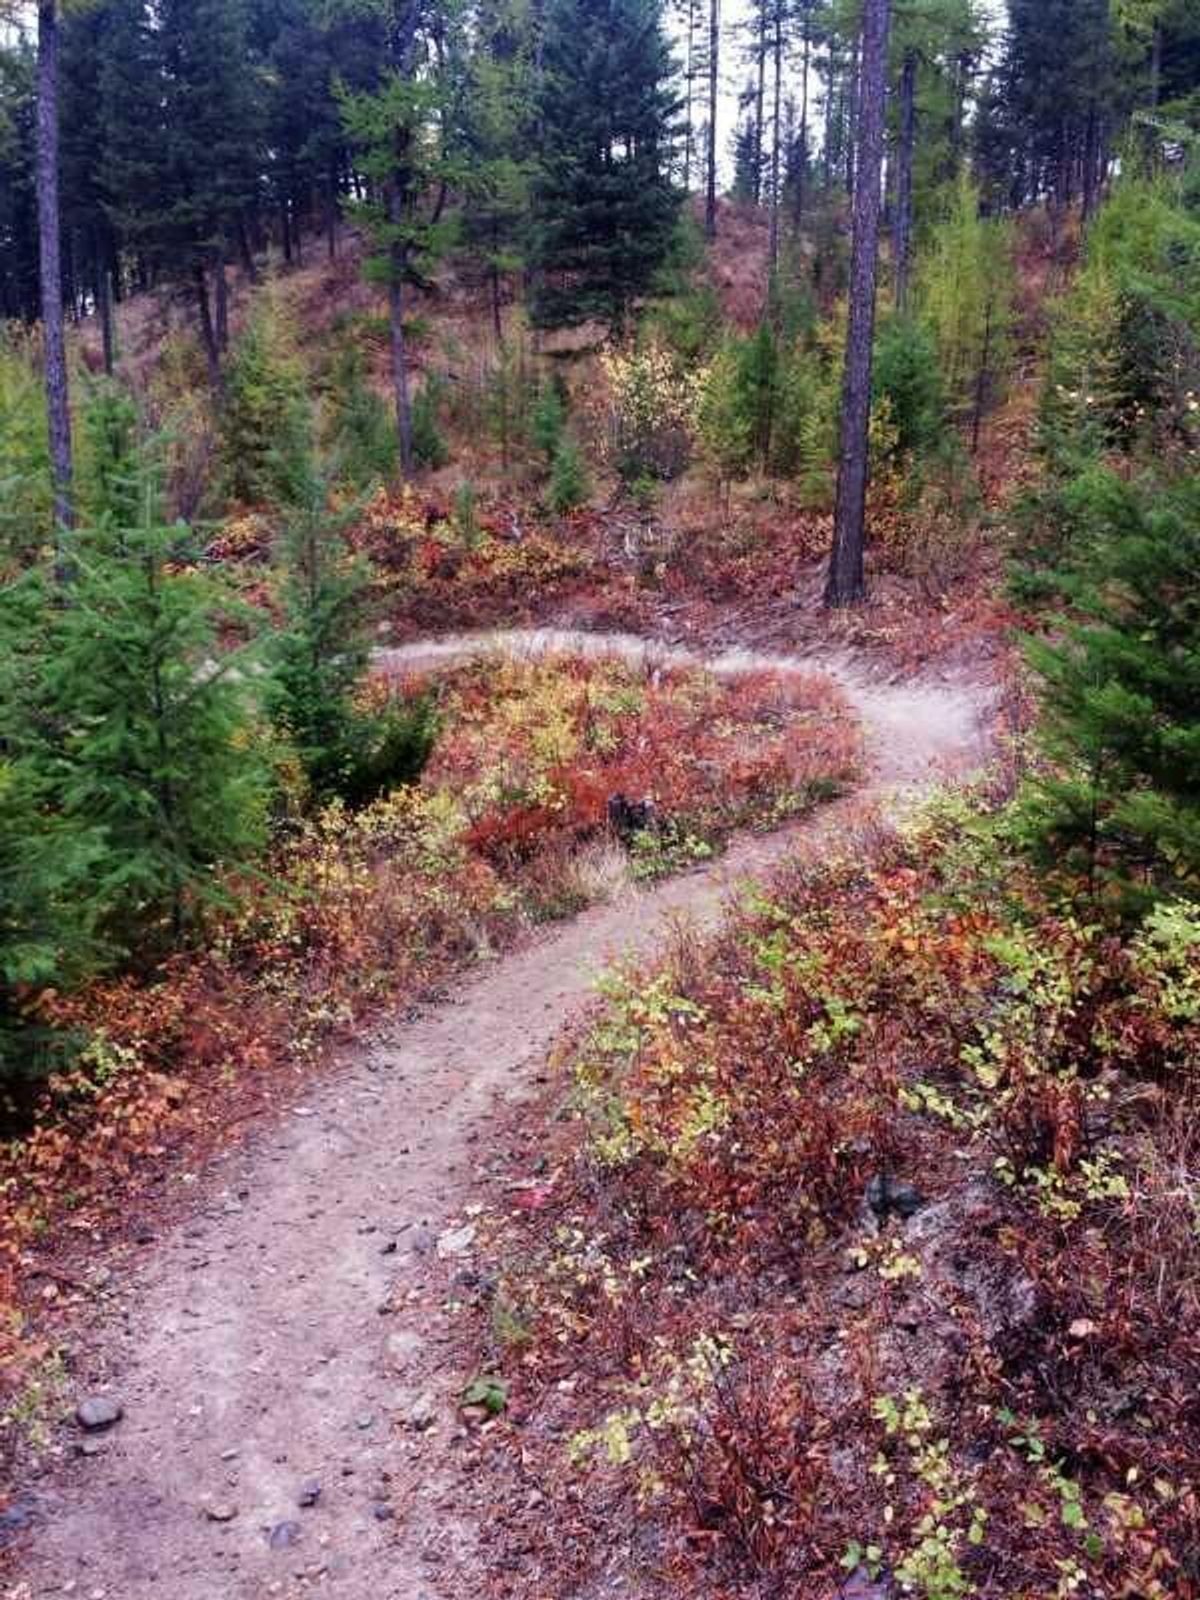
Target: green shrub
721, 421
549, 419
26, 502
317, 660
689, 323
109, 461
384, 750
47, 921
1124, 367
360, 434
428, 442
265, 421
466, 514
569, 484
907, 376
758, 389
321, 650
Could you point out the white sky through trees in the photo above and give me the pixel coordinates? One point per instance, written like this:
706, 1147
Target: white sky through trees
736, 70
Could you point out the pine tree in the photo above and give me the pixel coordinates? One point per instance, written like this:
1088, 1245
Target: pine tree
319, 656
321, 652
604, 208
18, 187
747, 173
58, 400
498, 137
396, 126
115, 703
569, 486
212, 155
265, 421
357, 433
1120, 692
965, 296
47, 921
301, 59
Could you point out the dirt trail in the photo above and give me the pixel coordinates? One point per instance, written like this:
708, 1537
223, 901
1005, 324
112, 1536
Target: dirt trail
278, 1336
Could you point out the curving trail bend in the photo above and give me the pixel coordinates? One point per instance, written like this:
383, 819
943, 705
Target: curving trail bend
282, 1335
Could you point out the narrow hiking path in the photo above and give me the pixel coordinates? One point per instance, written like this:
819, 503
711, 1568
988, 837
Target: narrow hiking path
281, 1343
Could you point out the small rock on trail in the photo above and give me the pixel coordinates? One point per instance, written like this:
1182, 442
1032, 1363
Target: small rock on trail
98, 1411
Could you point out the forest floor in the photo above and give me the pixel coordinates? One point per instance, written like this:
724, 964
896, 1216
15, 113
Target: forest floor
284, 1352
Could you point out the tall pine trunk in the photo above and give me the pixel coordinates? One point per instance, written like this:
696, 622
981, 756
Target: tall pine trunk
902, 232
1091, 145
760, 101
802, 168
208, 331
222, 294
845, 583
854, 89
331, 215
58, 397
714, 47
245, 253
776, 127
102, 257
689, 134
832, 122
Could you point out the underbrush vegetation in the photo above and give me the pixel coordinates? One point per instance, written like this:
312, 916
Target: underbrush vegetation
552, 784
872, 1248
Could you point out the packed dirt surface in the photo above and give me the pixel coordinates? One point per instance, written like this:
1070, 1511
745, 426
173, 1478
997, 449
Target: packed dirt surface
912, 728
288, 1424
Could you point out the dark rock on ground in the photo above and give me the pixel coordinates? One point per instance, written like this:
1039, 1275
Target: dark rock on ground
889, 1197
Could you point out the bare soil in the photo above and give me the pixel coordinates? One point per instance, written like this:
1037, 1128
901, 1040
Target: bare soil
287, 1330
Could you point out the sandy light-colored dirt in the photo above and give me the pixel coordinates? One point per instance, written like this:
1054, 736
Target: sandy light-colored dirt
279, 1339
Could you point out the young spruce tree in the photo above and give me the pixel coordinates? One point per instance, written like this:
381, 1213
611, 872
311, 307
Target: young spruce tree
116, 706
1121, 688
604, 206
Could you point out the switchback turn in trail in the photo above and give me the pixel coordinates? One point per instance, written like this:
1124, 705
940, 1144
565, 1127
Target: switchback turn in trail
277, 1345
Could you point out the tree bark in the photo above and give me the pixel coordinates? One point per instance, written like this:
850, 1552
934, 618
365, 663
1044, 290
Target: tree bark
853, 96
776, 126
689, 83
58, 395
902, 232
249, 265
104, 309
802, 168
208, 332
833, 115
760, 100
845, 582
1090, 163
714, 46
222, 288
331, 216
